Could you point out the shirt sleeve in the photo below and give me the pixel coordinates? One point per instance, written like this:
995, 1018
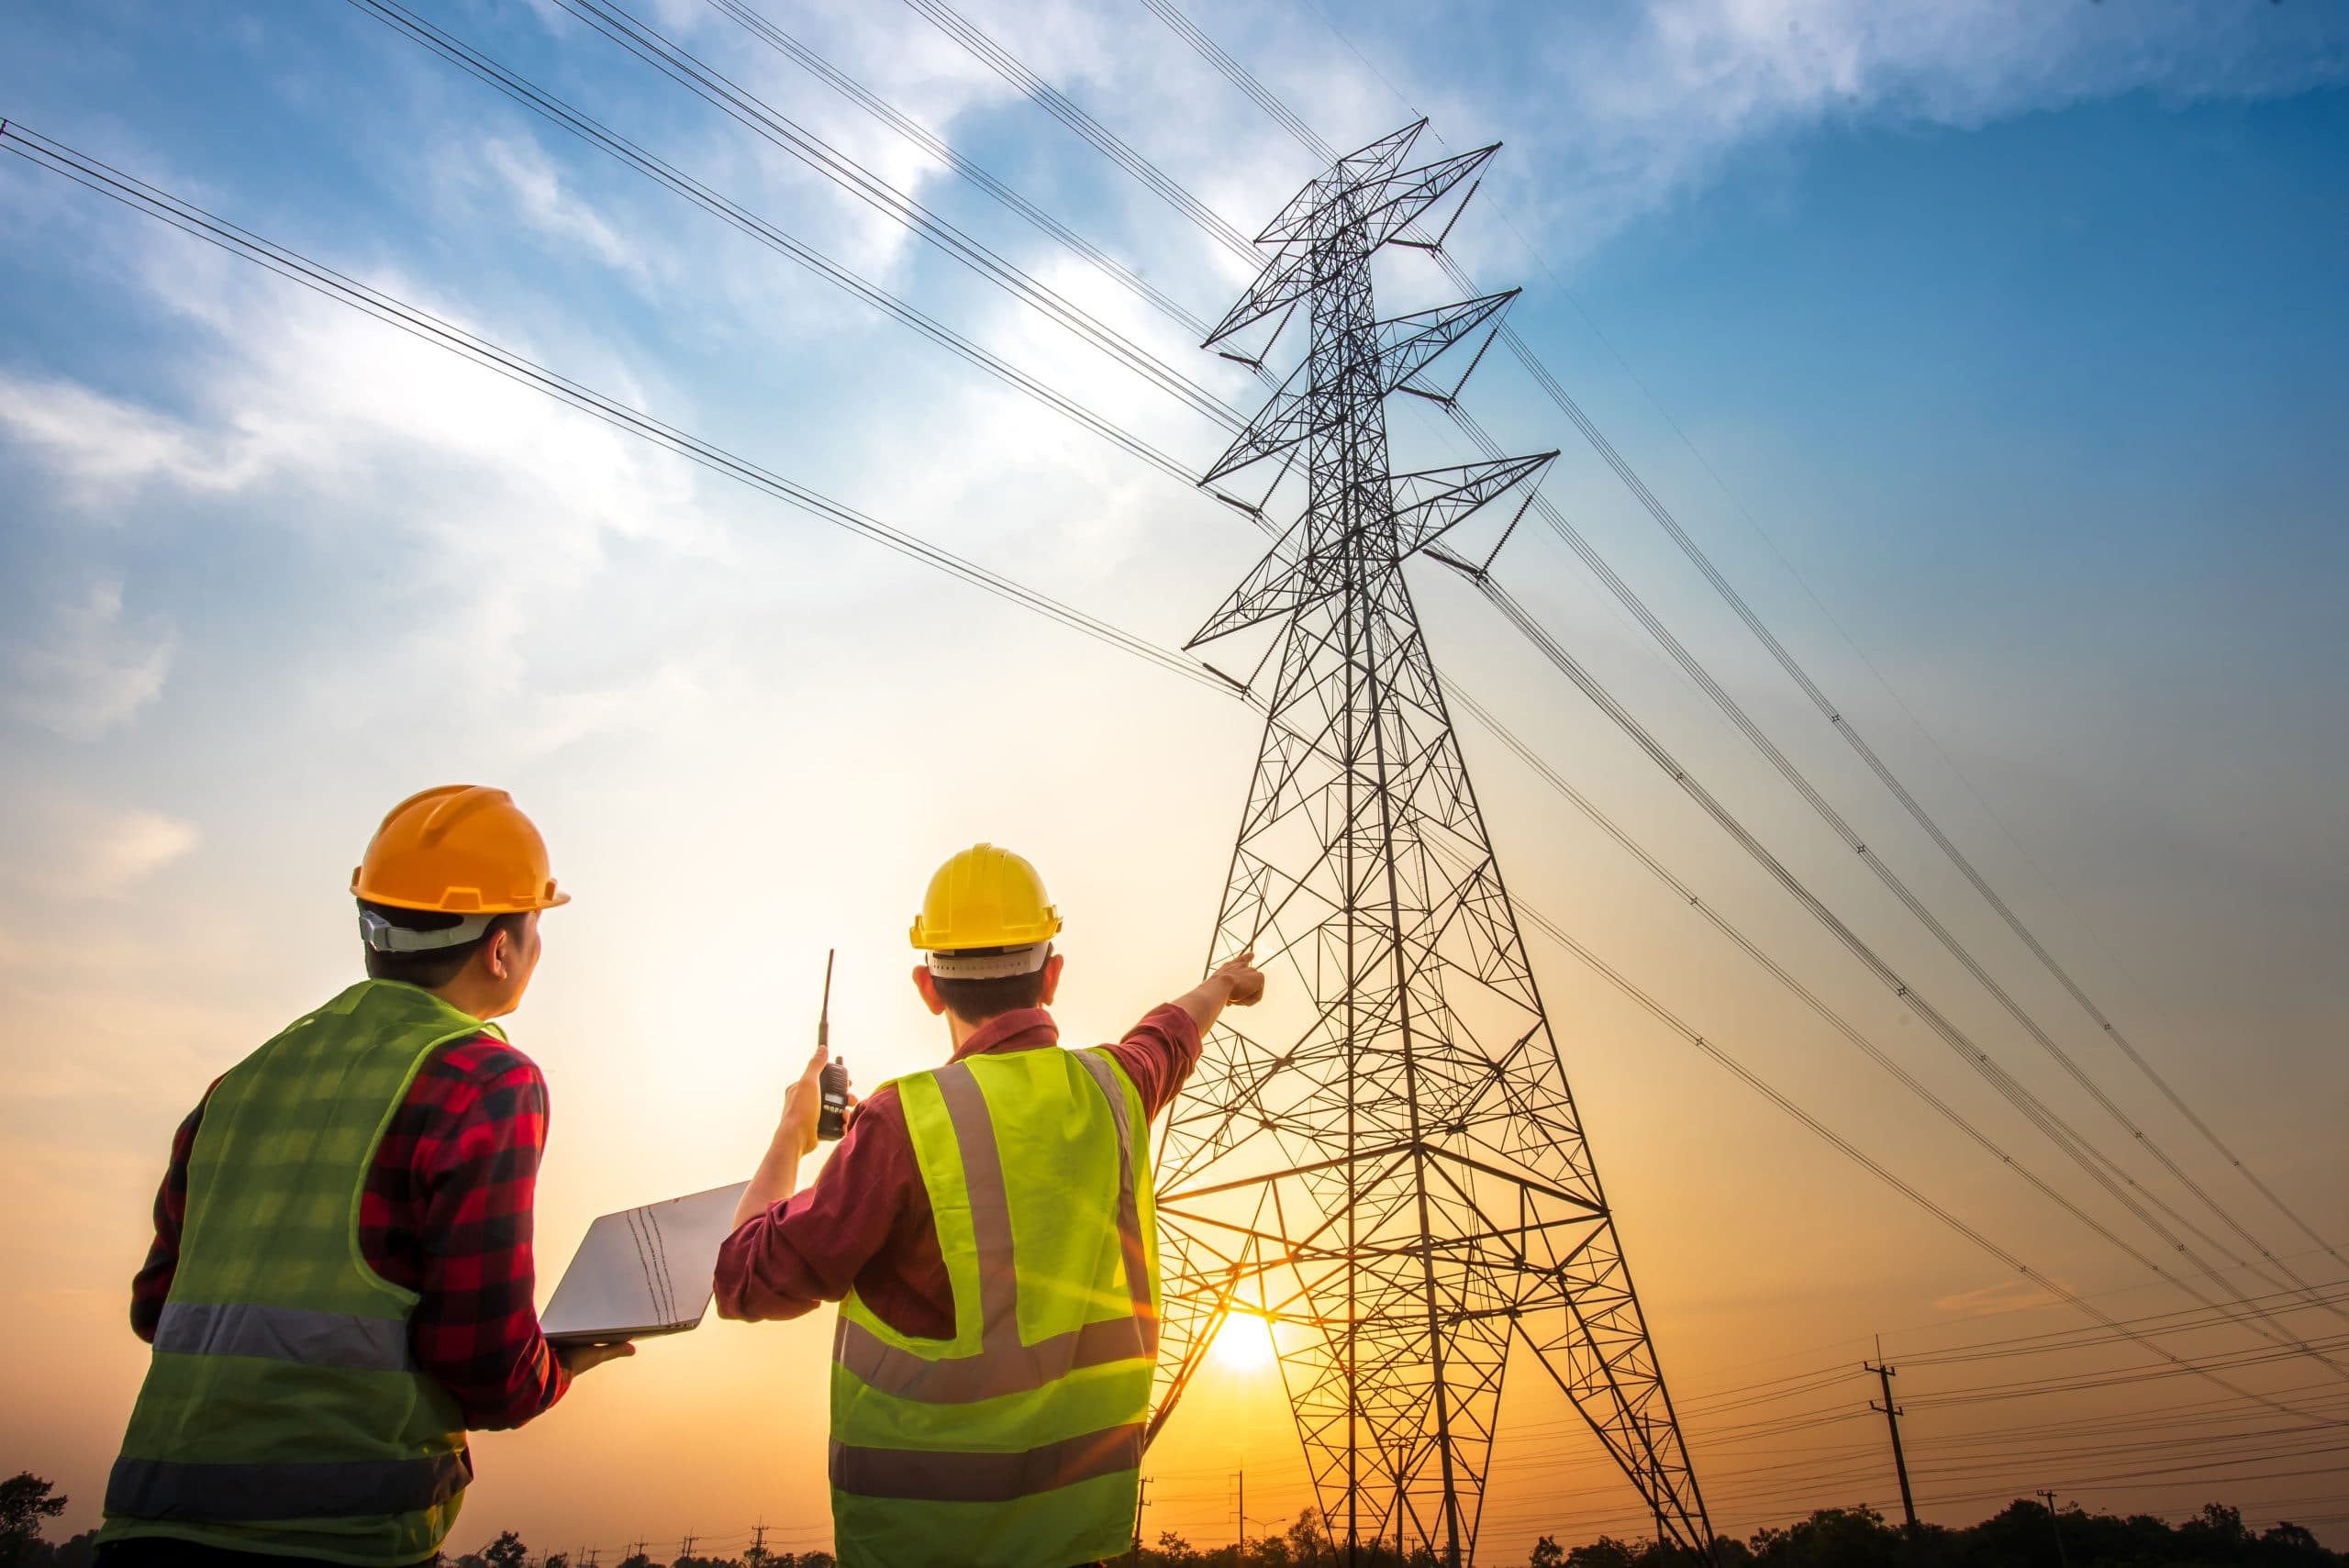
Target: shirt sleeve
480, 1133
1158, 1054
153, 1283
809, 1248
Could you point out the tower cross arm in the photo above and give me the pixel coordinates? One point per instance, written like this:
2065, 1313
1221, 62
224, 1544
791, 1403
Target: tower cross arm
1406, 345
1359, 190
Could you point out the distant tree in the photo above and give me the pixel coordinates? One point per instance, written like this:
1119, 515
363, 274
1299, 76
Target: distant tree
1547, 1553
507, 1551
633, 1560
556, 1560
1604, 1553
25, 1501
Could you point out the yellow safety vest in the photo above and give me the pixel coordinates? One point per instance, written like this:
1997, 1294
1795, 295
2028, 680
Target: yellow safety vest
1017, 1442
284, 1411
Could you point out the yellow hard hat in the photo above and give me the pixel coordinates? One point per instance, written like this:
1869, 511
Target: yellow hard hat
984, 898
461, 849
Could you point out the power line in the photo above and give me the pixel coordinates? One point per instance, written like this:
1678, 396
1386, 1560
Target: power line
2066, 1138
153, 202
1555, 390
921, 137
760, 116
561, 114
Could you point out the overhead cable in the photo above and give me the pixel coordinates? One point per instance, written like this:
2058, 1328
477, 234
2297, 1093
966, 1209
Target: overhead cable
1171, 14
561, 114
108, 181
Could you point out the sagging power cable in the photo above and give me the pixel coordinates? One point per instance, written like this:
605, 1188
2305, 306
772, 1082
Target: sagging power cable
1552, 389
560, 113
56, 157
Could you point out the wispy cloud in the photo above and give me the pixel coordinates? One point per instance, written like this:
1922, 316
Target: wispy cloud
83, 851
93, 669
103, 447
539, 198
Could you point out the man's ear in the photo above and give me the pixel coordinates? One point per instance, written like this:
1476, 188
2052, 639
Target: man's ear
925, 982
1052, 979
498, 953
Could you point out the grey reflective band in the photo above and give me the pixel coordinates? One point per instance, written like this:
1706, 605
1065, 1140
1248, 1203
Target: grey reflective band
381, 936
996, 1370
157, 1489
931, 1475
284, 1333
966, 1108
1129, 1235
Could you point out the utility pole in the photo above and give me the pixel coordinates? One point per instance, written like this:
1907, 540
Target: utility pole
759, 1542
1892, 1420
1243, 1517
2054, 1524
685, 1547
1353, 1151
1141, 1501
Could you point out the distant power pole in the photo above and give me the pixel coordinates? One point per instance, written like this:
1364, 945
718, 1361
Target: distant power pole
1892, 1420
2054, 1524
1141, 1501
685, 1547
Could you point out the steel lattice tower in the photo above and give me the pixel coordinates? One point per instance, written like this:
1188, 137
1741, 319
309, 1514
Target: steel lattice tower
1391, 1165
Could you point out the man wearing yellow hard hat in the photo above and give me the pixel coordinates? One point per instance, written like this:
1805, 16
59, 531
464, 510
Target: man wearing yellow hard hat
341, 1282
989, 1229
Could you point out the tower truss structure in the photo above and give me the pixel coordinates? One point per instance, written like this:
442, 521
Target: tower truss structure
1390, 1166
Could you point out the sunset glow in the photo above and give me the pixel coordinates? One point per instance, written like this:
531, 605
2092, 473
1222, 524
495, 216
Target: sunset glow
1244, 1343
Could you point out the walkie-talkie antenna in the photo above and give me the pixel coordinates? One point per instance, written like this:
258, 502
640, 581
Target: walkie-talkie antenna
824, 1018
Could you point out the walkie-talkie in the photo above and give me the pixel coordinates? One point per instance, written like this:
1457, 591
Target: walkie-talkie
832, 1120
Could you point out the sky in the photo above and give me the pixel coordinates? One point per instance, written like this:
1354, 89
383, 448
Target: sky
1994, 352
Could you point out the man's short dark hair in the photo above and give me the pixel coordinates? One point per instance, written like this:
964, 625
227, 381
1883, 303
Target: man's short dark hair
976, 1001
438, 966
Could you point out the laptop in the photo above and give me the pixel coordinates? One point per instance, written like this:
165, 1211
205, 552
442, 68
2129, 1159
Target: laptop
643, 1270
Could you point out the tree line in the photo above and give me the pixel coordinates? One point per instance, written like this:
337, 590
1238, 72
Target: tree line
2025, 1534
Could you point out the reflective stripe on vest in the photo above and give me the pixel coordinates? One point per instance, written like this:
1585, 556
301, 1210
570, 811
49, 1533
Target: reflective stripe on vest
284, 1333
158, 1489
931, 1476
1004, 1365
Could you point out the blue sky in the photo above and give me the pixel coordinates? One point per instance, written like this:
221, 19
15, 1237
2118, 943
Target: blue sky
2018, 329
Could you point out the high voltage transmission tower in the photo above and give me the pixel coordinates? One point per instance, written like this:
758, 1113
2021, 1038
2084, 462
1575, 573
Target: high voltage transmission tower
1393, 1165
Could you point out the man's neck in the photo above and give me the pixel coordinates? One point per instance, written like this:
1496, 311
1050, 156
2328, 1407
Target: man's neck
467, 998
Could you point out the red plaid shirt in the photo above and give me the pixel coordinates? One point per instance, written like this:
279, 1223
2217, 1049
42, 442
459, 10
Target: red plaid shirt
445, 1213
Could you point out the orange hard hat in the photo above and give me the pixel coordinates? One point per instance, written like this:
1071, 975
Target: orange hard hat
461, 849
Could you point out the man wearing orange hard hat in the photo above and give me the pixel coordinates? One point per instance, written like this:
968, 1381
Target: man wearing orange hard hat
989, 1229
341, 1283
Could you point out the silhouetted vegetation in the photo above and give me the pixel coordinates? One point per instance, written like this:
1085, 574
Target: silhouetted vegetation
2024, 1535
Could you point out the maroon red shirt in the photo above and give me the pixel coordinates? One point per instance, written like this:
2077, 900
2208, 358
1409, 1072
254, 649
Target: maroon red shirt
865, 1219
446, 1213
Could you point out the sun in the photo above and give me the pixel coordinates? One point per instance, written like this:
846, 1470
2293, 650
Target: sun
1244, 1343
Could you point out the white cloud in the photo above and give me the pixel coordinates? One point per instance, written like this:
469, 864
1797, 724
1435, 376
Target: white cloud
540, 200
78, 849
101, 447
93, 670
